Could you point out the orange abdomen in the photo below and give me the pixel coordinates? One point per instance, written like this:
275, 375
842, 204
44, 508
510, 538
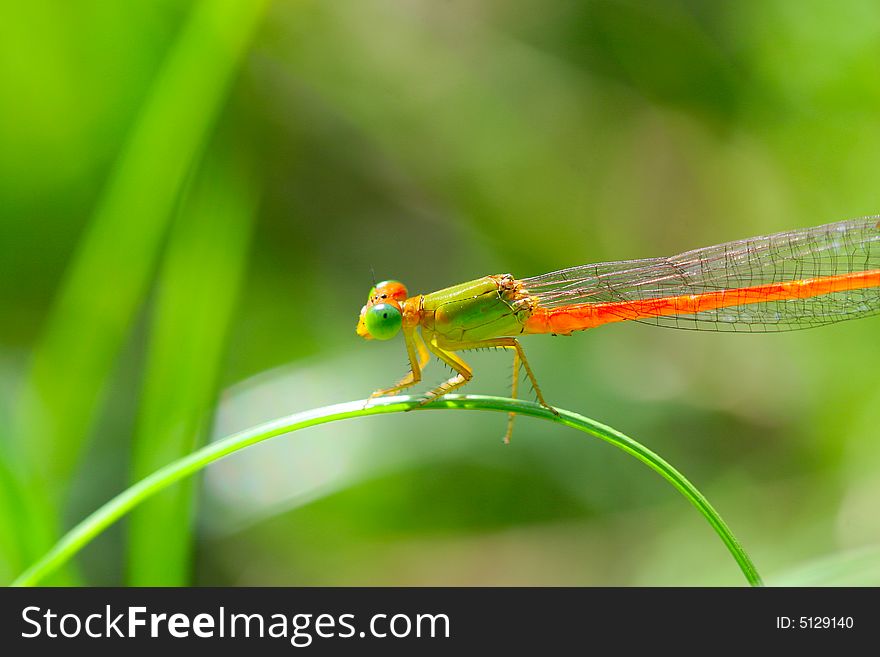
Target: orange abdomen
579, 317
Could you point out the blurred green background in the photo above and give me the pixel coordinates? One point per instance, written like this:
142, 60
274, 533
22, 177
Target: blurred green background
192, 197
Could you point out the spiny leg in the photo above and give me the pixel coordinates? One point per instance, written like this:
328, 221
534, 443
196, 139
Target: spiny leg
418, 358
513, 388
519, 357
506, 343
525, 363
424, 354
463, 371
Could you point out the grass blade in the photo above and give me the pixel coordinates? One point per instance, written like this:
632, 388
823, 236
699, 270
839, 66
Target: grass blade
198, 288
116, 508
86, 328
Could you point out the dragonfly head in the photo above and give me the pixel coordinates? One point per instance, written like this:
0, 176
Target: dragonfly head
381, 317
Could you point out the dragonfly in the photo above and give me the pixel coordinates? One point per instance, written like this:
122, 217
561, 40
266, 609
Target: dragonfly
785, 281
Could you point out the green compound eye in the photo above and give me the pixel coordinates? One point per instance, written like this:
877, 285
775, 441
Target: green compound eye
383, 321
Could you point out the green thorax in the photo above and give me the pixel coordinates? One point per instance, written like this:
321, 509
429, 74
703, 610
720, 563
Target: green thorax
489, 307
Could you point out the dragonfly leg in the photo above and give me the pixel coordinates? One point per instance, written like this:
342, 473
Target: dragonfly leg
421, 349
519, 355
519, 359
513, 389
418, 358
464, 373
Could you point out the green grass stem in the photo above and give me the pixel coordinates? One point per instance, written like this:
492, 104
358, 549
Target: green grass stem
101, 519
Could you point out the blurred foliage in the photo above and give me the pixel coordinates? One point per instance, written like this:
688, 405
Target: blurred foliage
431, 142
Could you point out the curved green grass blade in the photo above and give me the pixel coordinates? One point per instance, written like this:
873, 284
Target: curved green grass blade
113, 510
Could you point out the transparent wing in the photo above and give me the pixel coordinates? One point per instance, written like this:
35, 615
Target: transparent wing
824, 251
